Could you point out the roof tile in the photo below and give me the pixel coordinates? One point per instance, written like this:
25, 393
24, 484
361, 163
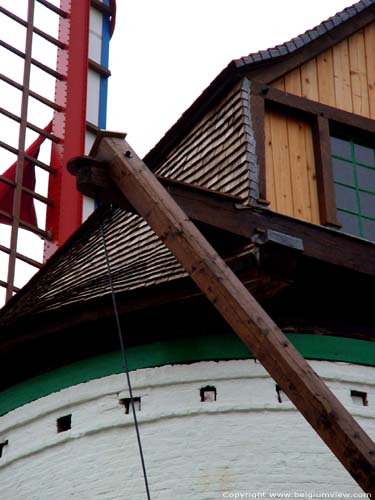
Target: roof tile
282, 50
256, 57
337, 20
359, 6
329, 24
275, 52
345, 15
291, 46
351, 11
265, 54
299, 42
306, 37
313, 34
321, 29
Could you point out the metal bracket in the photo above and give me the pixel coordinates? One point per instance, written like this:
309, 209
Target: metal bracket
263, 236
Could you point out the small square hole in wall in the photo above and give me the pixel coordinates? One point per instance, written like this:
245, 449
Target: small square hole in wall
2, 444
208, 393
281, 396
126, 402
359, 398
64, 423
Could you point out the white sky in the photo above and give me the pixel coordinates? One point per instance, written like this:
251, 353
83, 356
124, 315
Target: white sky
164, 53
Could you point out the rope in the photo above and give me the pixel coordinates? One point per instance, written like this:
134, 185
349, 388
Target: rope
125, 361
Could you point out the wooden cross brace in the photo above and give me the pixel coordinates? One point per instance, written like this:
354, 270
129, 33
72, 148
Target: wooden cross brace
142, 190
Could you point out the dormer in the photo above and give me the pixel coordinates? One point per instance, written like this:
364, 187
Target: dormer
290, 128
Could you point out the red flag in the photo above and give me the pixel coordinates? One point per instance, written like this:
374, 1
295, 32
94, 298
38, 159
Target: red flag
27, 212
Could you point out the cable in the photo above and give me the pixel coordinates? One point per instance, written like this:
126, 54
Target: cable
125, 361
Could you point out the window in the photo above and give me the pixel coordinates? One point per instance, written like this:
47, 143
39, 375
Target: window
343, 153
353, 167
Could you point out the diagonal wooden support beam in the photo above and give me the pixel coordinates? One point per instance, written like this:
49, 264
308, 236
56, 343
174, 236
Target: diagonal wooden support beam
288, 368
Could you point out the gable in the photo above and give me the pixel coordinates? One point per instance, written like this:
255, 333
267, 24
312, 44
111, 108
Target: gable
342, 76
214, 153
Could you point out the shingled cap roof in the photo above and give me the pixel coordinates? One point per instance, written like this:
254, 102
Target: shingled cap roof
77, 272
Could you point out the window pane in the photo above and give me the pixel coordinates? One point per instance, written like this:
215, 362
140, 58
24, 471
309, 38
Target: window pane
349, 222
368, 229
341, 148
343, 171
367, 204
364, 154
366, 178
346, 198
353, 167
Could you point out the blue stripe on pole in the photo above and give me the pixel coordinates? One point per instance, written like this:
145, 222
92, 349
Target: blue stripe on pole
103, 93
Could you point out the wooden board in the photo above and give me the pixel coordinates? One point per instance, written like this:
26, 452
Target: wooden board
293, 82
311, 176
369, 36
341, 75
326, 86
358, 76
279, 84
309, 80
281, 163
290, 167
269, 166
298, 169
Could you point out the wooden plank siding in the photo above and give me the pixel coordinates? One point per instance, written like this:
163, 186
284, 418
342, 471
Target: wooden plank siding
369, 36
290, 167
342, 76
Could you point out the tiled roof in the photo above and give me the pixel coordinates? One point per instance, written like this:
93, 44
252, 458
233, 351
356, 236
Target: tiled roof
307, 37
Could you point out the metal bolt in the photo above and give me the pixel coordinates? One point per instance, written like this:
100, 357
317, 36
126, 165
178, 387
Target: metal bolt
128, 154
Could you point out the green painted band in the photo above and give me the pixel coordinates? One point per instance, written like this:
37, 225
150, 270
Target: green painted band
215, 347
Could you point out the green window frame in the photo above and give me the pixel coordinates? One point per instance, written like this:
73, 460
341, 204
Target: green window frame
353, 167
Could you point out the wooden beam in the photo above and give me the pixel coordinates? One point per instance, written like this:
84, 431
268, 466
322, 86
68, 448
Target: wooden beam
324, 173
311, 396
258, 123
203, 205
305, 108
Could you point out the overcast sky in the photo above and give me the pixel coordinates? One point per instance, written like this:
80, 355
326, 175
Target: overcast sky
164, 53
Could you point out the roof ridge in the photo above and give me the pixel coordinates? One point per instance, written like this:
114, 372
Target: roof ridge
307, 37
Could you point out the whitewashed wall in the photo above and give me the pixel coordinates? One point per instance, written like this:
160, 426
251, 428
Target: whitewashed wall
245, 442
